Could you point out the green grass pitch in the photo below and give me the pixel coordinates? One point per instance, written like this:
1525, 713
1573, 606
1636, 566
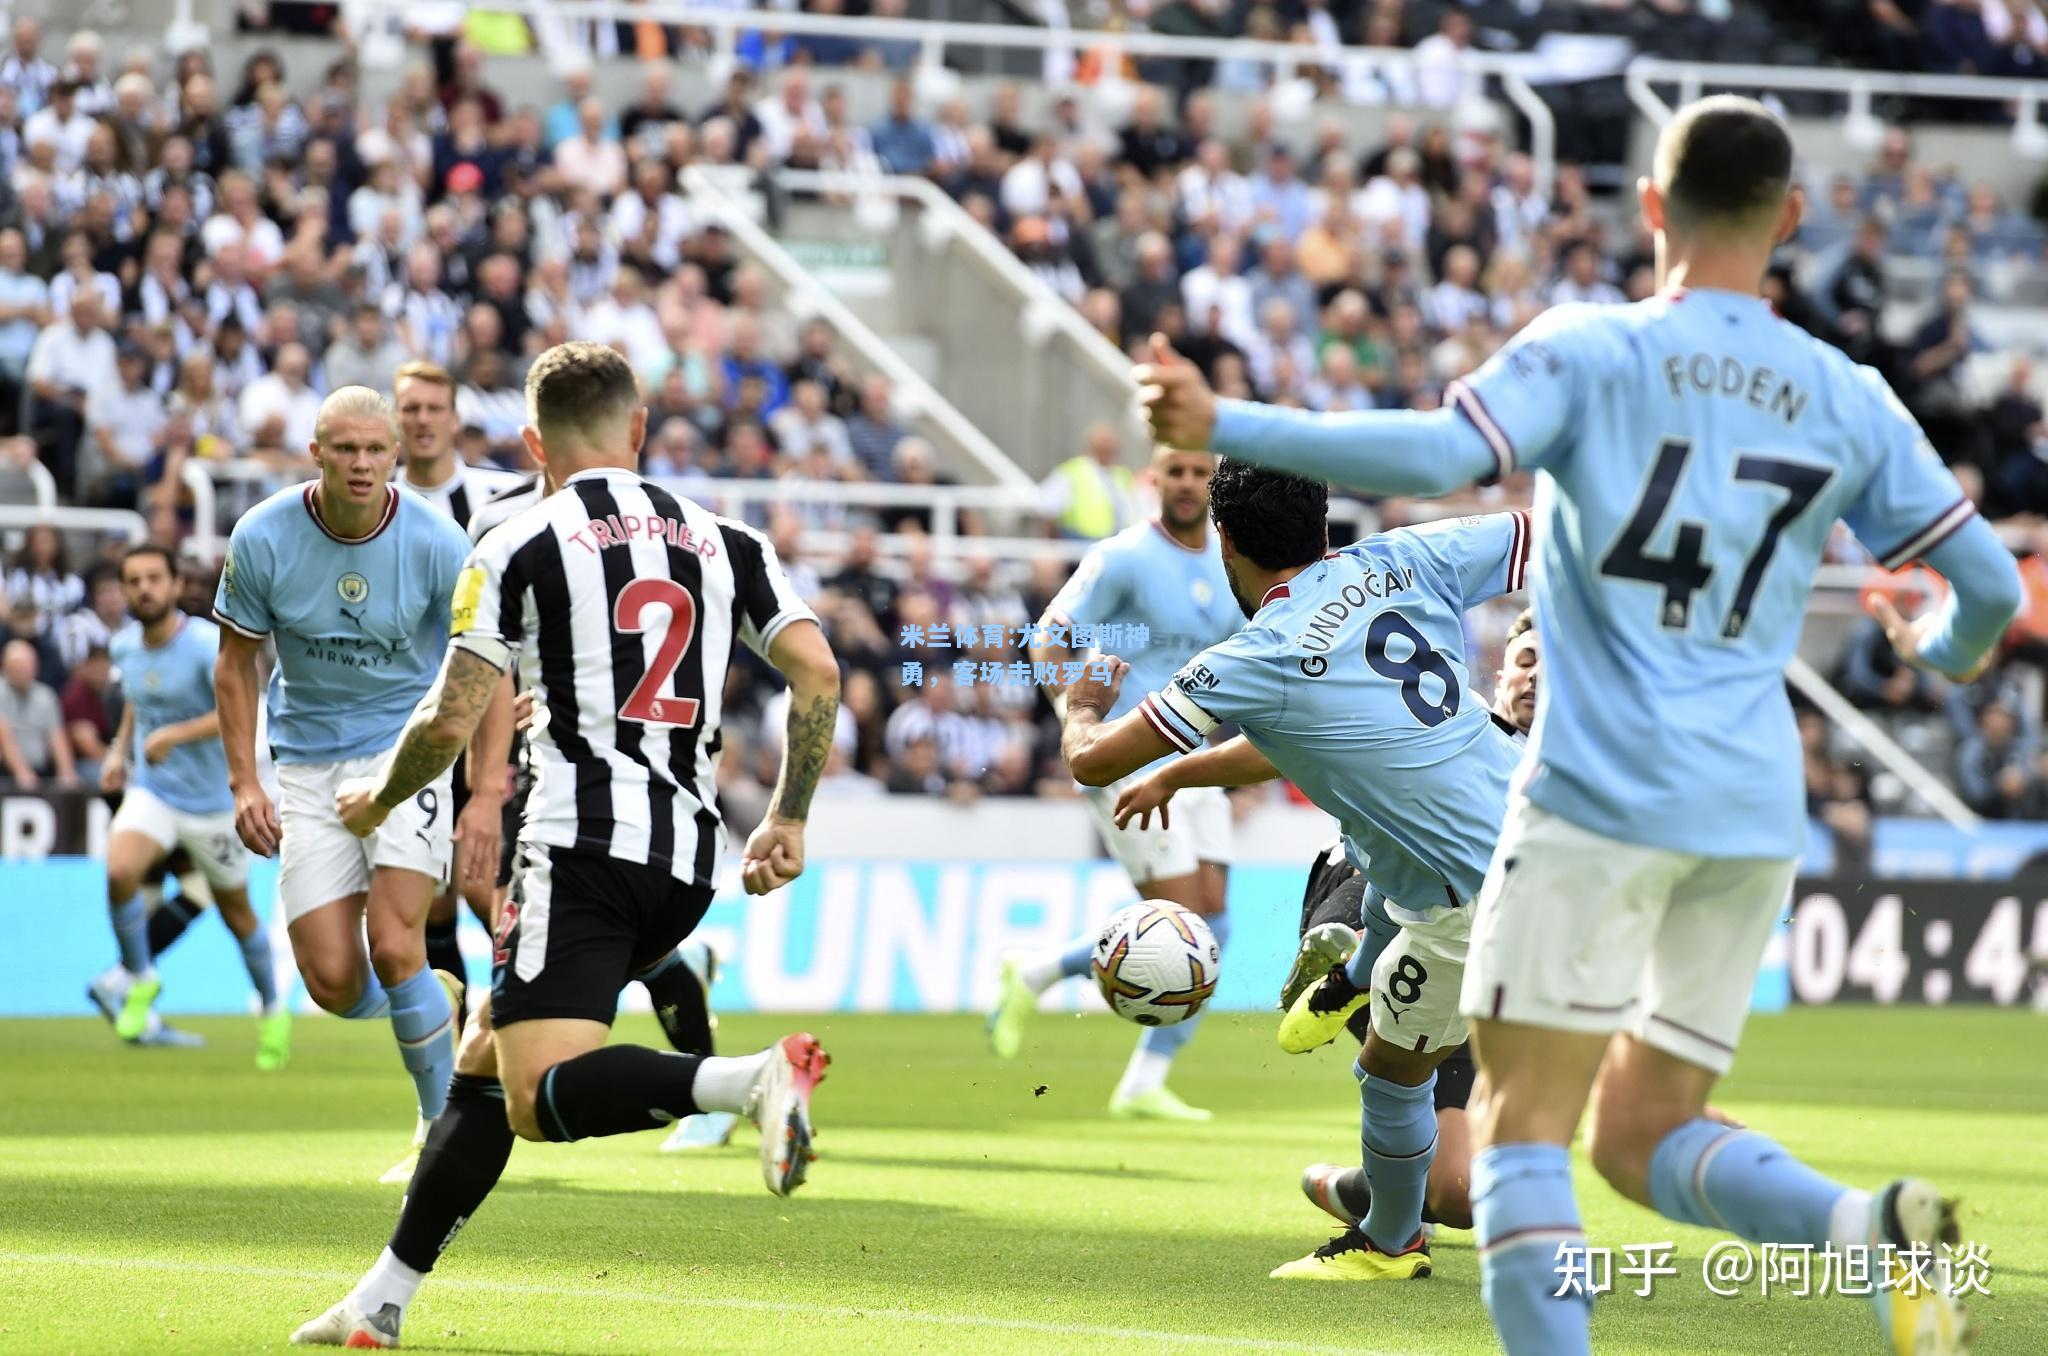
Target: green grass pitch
178, 1201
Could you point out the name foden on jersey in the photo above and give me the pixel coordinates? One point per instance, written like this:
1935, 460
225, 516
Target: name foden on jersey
1323, 627
1763, 389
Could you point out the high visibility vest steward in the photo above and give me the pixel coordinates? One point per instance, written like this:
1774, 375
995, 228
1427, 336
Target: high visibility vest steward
1091, 506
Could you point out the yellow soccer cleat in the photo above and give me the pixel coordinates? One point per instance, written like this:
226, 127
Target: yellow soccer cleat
1321, 1011
1157, 1105
1350, 1256
274, 1040
1015, 1002
400, 1173
133, 1019
1915, 1311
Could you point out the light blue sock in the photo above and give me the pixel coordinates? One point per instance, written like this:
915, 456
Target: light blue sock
1076, 959
425, 1027
262, 970
1719, 1177
1379, 931
1398, 1135
1523, 1209
131, 930
374, 1002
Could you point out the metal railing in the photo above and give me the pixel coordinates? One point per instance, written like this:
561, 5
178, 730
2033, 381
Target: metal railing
125, 521
2030, 137
934, 40
804, 296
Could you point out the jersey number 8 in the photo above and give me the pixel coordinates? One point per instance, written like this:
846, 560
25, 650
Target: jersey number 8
649, 703
1409, 672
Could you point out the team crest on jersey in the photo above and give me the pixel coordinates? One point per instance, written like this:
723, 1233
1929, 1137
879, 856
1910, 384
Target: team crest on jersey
352, 587
1202, 593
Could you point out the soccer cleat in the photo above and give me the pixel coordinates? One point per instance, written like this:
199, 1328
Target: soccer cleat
347, 1326
1015, 1003
705, 1130
1915, 1312
274, 1040
1322, 946
108, 990
1350, 1256
1320, 1181
160, 1035
135, 1008
400, 1173
1160, 1104
1321, 1012
780, 1103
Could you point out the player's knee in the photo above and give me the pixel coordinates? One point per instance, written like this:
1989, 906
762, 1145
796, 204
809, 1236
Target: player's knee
122, 884
335, 987
519, 1113
396, 956
1621, 1134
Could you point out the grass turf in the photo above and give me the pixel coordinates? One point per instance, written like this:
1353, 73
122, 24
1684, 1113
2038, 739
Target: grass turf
175, 1201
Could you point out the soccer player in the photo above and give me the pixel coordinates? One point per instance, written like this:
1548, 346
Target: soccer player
427, 427
351, 576
1163, 575
1349, 679
1694, 453
166, 757
1322, 999
623, 604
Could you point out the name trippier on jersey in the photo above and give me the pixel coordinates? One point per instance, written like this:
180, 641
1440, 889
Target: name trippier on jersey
624, 529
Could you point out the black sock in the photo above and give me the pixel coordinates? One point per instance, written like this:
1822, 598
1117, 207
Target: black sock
1353, 1191
444, 952
615, 1091
169, 922
681, 1007
464, 1156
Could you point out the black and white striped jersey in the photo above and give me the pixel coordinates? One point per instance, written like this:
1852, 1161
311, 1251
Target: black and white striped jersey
465, 491
621, 604
506, 505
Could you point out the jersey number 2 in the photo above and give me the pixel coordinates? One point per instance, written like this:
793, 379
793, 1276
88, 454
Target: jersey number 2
648, 701
1685, 572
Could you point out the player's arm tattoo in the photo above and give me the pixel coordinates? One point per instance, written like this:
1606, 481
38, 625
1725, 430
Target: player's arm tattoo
440, 729
807, 742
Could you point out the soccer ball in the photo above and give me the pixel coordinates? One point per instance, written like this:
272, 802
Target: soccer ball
1155, 963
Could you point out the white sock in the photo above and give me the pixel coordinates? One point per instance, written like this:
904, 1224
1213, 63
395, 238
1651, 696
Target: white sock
723, 1082
115, 977
390, 1281
1146, 1071
1041, 974
1849, 1221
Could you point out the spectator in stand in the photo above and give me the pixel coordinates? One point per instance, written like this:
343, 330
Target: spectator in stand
125, 425
1934, 367
1838, 795
61, 124
78, 631
902, 140
91, 710
1582, 280
1090, 496
366, 355
872, 431
805, 425
42, 579
859, 579
1871, 675
29, 710
1994, 767
24, 311
592, 159
24, 72
283, 396
67, 363
744, 361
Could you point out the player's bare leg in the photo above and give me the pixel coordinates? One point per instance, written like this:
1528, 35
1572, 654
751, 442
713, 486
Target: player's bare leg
327, 945
274, 1022
422, 1000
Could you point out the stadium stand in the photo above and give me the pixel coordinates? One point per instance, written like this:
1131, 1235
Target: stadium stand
190, 256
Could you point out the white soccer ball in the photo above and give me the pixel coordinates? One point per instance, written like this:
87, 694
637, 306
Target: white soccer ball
1155, 963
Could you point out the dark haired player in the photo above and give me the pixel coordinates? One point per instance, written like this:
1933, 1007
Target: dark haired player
1696, 451
1349, 679
623, 604
166, 759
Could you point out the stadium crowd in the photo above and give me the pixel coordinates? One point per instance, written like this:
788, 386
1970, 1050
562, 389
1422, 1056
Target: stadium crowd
190, 258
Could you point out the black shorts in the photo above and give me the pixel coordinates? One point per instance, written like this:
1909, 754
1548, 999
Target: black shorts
578, 926
515, 811
1454, 1079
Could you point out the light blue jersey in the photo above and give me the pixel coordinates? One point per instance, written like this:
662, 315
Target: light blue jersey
169, 684
1696, 450
1143, 577
361, 626
1351, 679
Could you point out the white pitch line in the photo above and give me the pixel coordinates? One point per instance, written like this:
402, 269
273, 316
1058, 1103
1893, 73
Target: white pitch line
733, 1304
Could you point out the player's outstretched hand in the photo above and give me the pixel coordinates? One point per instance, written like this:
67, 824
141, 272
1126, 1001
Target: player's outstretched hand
1909, 636
256, 822
1140, 799
1177, 402
355, 800
523, 711
1090, 692
774, 856
479, 835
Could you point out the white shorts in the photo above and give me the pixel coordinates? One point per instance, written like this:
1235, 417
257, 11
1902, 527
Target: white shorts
1580, 932
1417, 980
321, 861
1199, 830
211, 839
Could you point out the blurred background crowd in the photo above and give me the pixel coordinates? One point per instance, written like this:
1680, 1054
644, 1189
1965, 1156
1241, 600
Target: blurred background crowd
190, 258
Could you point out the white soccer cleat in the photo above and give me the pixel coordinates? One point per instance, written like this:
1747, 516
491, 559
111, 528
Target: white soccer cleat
1917, 1315
780, 1103
109, 991
400, 1173
347, 1326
